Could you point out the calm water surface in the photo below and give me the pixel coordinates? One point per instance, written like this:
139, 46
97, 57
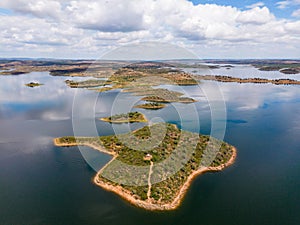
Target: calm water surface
44, 184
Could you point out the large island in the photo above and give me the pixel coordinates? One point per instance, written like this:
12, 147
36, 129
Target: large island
151, 170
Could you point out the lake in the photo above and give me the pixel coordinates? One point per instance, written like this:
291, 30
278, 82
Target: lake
44, 184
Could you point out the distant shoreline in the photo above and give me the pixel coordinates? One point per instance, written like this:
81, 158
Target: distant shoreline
229, 79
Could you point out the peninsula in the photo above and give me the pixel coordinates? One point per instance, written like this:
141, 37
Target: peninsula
151, 170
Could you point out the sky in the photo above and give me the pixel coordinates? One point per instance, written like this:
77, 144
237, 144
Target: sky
79, 29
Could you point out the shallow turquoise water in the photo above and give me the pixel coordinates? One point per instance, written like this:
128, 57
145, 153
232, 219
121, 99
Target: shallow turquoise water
43, 184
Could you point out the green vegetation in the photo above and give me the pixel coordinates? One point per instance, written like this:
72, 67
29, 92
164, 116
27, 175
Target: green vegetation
68, 71
86, 83
130, 117
33, 84
13, 72
168, 99
286, 68
68, 140
151, 105
196, 65
249, 80
127, 75
174, 147
159, 95
290, 70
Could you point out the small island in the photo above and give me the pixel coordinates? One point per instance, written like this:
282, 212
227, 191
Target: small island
33, 84
131, 117
86, 84
151, 170
169, 99
290, 70
286, 68
151, 106
159, 95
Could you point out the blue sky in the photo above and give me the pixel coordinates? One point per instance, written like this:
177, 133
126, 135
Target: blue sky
208, 28
5, 11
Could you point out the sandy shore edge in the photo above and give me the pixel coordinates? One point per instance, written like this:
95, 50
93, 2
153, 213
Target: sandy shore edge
96, 147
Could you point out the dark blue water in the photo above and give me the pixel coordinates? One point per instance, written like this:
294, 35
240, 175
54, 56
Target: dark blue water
43, 184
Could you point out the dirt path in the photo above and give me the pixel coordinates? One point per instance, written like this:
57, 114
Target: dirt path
149, 180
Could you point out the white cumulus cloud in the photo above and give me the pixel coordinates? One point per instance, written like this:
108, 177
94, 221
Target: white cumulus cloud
258, 4
296, 13
108, 16
256, 16
83, 28
39, 8
287, 3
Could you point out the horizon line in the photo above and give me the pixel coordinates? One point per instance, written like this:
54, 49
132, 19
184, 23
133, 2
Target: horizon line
94, 59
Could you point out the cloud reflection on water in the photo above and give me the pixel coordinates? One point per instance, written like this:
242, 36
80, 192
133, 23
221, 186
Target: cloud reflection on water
41, 113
